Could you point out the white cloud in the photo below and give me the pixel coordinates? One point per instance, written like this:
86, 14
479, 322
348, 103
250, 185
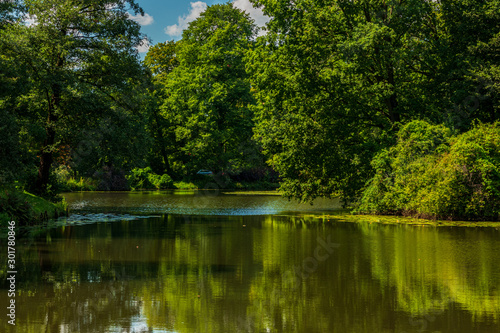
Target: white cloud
197, 8
142, 20
30, 20
144, 46
255, 13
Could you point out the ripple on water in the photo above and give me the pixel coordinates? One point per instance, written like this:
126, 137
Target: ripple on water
86, 218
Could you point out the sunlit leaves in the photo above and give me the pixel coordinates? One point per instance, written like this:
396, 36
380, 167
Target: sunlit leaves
207, 92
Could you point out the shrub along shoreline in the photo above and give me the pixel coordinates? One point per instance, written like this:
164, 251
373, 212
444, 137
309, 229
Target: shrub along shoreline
431, 173
147, 179
28, 209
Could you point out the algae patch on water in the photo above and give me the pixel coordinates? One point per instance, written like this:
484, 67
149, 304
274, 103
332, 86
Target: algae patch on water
343, 216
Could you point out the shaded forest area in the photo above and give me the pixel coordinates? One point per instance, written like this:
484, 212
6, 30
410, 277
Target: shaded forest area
391, 105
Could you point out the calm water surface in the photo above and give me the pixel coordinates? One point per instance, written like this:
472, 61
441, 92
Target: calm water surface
162, 262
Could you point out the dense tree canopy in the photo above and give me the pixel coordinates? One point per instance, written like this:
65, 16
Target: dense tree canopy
12, 81
161, 59
77, 55
334, 80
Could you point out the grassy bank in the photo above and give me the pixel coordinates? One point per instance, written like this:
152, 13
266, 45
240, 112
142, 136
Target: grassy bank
27, 209
210, 183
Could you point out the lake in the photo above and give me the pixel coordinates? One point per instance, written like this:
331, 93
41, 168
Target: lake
212, 262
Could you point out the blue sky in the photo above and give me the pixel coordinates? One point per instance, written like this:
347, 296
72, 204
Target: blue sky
165, 19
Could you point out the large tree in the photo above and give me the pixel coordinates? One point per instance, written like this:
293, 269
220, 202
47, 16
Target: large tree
207, 94
471, 51
77, 53
335, 79
9, 143
161, 60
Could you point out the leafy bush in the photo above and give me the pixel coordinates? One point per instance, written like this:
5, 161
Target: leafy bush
430, 173
466, 181
389, 191
139, 178
67, 183
13, 205
83, 184
145, 178
185, 185
160, 182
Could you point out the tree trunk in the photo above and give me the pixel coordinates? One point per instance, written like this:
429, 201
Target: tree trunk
46, 159
161, 138
46, 155
392, 101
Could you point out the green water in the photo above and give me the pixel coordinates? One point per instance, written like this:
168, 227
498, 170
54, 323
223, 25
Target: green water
198, 263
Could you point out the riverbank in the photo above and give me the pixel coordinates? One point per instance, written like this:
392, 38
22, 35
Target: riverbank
88, 184
28, 209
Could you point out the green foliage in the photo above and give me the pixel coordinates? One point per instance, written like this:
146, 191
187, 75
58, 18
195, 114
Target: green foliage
44, 209
390, 189
10, 155
67, 183
184, 185
335, 80
160, 182
432, 174
81, 184
13, 205
206, 95
322, 94
28, 209
331, 84
12, 80
119, 140
79, 61
138, 179
161, 58
468, 52
145, 178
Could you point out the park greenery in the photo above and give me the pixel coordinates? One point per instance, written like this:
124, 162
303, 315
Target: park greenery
391, 105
